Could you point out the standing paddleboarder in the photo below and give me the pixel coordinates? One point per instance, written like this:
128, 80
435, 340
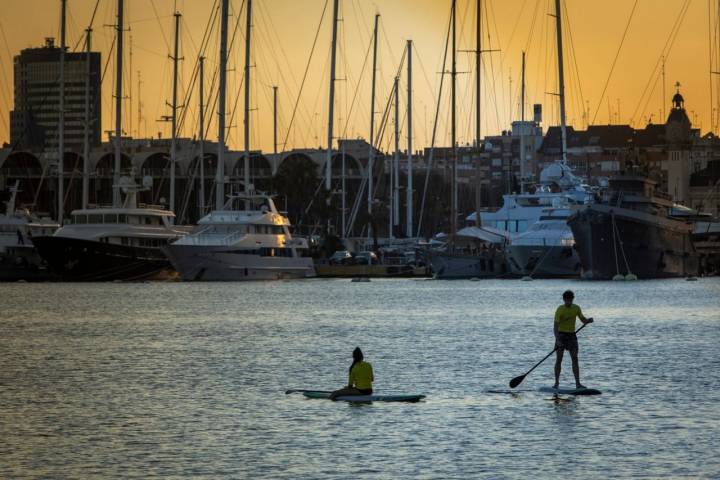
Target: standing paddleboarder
565, 338
360, 377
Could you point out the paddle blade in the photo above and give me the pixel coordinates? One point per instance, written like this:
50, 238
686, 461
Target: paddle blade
517, 381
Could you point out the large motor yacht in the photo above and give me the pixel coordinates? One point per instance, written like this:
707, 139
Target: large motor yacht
631, 232
100, 244
546, 249
247, 240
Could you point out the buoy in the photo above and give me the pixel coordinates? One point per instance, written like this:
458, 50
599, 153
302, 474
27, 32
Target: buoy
630, 277
527, 278
619, 277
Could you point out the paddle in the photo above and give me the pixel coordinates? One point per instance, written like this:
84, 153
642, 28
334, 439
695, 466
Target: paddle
288, 392
518, 380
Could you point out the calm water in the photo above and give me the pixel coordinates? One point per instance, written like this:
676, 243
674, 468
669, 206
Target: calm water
187, 380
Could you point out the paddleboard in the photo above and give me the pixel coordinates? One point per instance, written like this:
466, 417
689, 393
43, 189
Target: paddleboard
571, 391
367, 398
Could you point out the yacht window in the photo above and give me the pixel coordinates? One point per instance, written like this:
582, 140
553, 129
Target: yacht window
522, 225
148, 221
109, 218
502, 225
122, 218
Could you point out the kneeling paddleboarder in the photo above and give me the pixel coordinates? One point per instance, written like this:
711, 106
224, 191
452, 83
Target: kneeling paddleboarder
565, 338
360, 377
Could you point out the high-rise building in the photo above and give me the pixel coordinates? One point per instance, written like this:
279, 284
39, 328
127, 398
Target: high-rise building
34, 119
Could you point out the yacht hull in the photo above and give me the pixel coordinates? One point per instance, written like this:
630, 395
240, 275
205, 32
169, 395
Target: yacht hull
74, 259
447, 265
647, 245
220, 263
546, 261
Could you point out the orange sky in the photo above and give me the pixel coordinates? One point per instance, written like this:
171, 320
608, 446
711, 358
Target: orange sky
283, 33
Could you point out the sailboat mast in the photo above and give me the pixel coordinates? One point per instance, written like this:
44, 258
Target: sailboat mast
453, 73
275, 89
371, 155
118, 106
248, 25
173, 143
478, 77
220, 173
86, 135
522, 127
561, 79
331, 100
409, 199
202, 134
61, 119
394, 185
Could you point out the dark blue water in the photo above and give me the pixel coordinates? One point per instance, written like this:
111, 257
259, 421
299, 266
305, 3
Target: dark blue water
188, 380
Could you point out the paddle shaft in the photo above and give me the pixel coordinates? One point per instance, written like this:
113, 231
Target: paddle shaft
544, 358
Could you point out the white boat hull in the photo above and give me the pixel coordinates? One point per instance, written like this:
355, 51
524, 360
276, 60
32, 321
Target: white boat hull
546, 260
451, 266
205, 263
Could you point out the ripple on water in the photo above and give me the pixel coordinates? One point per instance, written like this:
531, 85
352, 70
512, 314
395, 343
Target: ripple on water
188, 380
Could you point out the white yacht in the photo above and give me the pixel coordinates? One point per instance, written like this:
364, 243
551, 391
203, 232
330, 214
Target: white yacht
557, 192
19, 259
558, 185
247, 240
546, 249
99, 244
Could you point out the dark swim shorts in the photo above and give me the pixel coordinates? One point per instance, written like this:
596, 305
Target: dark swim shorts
567, 341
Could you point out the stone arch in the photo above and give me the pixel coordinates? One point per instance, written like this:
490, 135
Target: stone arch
106, 163
209, 166
21, 164
353, 167
295, 156
156, 165
26, 169
260, 166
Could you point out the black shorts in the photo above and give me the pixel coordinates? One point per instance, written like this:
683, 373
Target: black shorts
365, 391
567, 341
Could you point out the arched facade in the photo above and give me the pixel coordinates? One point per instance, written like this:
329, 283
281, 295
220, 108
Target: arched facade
353, 168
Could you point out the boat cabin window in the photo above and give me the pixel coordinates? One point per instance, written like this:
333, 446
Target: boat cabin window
522, 226
122, 218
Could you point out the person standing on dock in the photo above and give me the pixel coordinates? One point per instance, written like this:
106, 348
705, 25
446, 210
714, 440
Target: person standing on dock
565, 338
360, 377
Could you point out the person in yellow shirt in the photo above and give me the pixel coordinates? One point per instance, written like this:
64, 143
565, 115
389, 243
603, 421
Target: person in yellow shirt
360, 377
565, 338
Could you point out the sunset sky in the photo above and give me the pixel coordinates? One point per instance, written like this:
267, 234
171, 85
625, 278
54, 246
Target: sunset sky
283, 34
